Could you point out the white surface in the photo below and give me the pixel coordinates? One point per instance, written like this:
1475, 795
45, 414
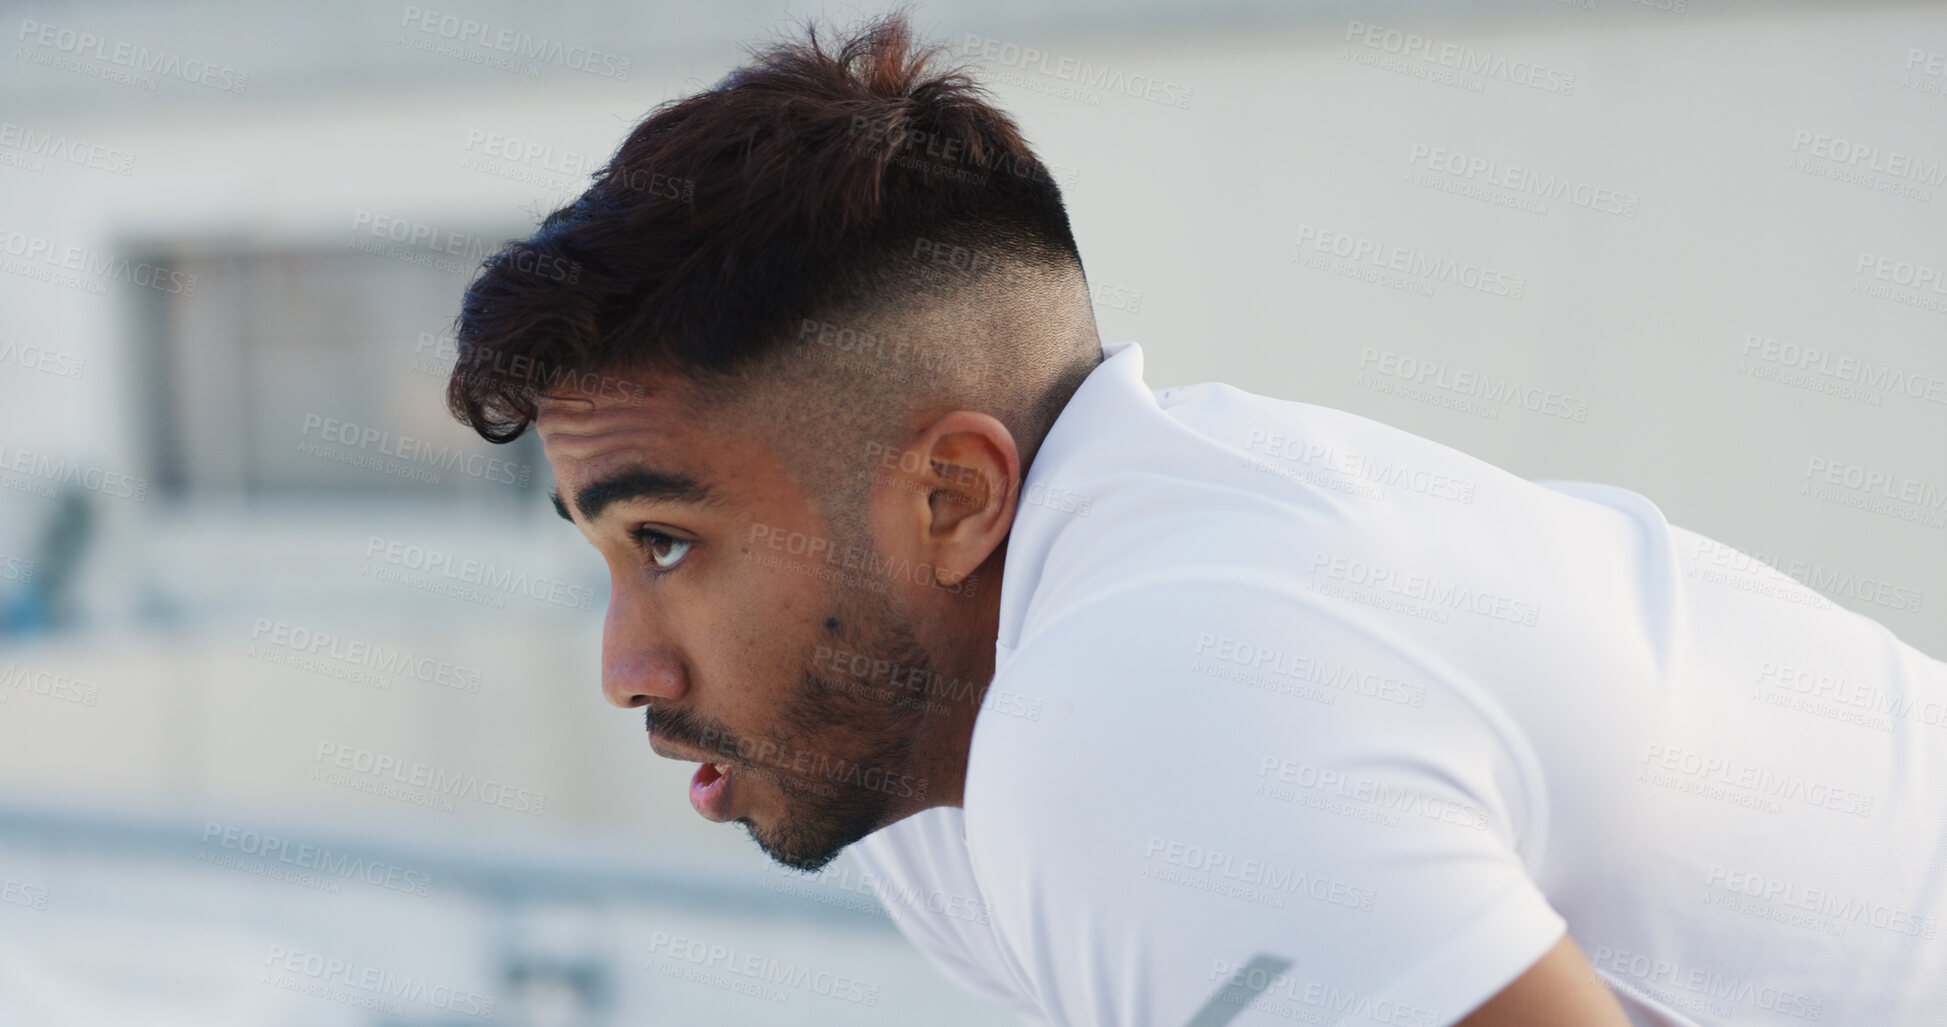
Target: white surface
1287, 681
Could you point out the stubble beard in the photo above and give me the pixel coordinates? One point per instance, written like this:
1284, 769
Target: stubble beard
849, 731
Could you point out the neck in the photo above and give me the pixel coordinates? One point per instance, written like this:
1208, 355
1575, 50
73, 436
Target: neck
965, 629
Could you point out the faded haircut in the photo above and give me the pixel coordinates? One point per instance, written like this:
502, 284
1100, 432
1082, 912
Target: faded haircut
852, 218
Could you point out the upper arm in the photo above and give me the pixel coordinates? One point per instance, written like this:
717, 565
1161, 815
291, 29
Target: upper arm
1560, 988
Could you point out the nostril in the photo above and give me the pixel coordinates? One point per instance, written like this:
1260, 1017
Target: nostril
642, 675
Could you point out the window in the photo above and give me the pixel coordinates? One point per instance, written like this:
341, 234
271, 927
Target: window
287, 372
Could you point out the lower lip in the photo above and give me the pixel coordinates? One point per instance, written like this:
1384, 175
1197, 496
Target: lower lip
710, 793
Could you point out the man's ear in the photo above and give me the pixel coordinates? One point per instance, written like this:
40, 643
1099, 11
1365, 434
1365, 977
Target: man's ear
952, 495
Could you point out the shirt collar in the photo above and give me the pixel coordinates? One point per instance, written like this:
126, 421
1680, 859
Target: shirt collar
1105, 399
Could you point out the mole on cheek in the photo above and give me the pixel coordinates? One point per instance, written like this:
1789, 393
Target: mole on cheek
831, 625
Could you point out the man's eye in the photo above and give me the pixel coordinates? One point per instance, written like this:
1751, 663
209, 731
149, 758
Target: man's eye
664, 551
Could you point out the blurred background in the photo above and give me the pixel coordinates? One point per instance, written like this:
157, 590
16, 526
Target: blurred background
299, 710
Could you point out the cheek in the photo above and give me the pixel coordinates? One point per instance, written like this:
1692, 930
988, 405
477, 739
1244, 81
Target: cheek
767, 620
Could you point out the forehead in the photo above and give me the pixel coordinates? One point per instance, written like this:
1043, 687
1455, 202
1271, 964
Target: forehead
587, 437
583, 428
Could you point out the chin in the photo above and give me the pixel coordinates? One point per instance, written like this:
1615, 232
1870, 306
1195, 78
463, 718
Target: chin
808, 860
798, 852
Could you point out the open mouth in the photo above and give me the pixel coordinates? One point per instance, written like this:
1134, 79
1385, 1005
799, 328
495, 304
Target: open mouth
710, 791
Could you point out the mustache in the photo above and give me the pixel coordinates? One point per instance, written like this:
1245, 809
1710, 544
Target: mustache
684, 729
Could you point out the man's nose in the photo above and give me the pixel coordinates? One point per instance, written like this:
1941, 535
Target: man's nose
638, 662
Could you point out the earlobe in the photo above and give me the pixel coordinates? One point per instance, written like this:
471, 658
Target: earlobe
947, 578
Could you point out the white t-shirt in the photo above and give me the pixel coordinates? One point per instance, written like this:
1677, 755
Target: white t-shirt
1278, 682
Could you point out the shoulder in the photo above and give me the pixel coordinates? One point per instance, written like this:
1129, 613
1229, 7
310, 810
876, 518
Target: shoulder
1159, 670
1241, 761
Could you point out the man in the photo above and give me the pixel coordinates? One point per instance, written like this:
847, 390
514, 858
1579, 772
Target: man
1177, 707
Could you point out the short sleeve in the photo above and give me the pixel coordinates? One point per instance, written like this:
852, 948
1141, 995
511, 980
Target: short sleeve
1225, 771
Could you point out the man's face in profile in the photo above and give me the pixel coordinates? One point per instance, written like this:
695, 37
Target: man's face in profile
732, 628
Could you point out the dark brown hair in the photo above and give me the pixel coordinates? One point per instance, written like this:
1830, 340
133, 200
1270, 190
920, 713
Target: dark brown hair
802, 185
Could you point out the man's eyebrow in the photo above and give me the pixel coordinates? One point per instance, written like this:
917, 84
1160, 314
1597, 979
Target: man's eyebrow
636, 483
